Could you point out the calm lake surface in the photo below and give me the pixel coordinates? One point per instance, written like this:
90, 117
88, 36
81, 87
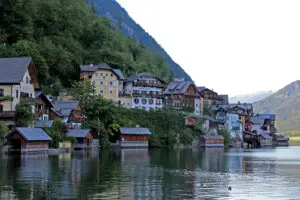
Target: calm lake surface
154, 174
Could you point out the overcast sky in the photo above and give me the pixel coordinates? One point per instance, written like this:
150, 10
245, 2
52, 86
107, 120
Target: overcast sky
231, 46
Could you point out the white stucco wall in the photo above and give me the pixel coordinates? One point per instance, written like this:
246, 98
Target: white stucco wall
12, 90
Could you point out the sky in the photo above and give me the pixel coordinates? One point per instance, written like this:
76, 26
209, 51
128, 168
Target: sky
231, 46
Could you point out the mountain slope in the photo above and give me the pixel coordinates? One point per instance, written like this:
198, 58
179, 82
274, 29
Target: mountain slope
250, 98
121, 19
285, 104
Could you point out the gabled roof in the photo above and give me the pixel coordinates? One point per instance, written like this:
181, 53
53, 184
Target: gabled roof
12, 70
78, 133
202, 88
34, 134
135, 131
266, 116
224, 98
65, 107
213, 137
43, 123
265, 135
257, 120
119, 73
93, 68
141, 75
178, 87
40, 93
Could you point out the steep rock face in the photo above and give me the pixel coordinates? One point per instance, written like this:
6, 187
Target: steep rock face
121, 20
285, 104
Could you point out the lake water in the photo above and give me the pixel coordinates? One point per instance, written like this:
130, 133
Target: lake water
154, 174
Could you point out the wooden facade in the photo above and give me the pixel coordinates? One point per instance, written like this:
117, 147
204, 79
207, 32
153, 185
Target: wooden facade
134, 137
43, 106
84, 138
19, 143
211, 141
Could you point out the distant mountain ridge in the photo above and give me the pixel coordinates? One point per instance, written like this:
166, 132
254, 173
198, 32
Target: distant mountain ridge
285, 104
120, 18
250, 98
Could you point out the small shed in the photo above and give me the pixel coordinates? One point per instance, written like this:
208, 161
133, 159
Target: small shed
134, 137
265, 139
282, 141
211, 141
84, 138
29, 139
44, 123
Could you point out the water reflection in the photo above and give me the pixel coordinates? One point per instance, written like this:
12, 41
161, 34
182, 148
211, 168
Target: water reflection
154, 174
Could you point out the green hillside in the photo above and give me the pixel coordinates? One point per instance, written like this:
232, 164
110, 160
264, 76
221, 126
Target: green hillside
285, 104
62, 34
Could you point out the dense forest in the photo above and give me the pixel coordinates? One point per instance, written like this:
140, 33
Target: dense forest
62, 34
121, 20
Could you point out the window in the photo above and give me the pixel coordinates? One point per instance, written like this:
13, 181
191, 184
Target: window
1, 107
17, 93
111, 74
1, 92
106, 74
101, 74
101, 82
101, 91
110, 91
111, 83
27, 80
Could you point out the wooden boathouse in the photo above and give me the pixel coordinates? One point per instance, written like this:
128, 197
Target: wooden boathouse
84, 138
28, 139
211, 141
134, 137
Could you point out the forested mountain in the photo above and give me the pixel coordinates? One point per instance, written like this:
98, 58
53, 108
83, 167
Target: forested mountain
62, 34
122, 20
285, 104
250, 98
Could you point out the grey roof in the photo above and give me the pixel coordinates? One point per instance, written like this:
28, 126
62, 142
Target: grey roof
178, 87
135, 131
245, 106
213, 137
43, 123
265, 135
65, 107
78, 133
119, 73
12, 70
267, 116
93, 68
34, 134
141, 75
282, 139
257, 120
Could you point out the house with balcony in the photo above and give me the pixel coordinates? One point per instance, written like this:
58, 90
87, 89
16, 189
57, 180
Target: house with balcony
108, 82
269, 122
18, 81
145, 91
229, 120
183, 95
70, 112
43, 105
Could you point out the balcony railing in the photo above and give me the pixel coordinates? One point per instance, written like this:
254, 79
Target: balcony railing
7, 114
123, 94
153, 95
28, 100
146, 84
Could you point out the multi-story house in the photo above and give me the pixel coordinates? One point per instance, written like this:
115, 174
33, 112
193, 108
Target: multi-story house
228, 119
268, 120
107, 81
183, 95
43, 106
18, 81
70, 112
146, 91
